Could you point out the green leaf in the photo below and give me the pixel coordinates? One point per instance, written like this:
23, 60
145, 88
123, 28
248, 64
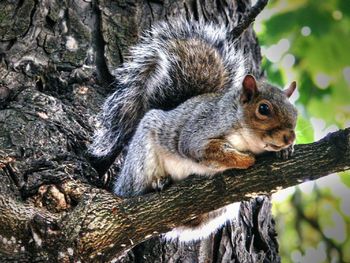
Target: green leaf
304, 131
345, 178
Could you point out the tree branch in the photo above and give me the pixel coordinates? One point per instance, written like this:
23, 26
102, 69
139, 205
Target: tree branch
111, 225
248, 19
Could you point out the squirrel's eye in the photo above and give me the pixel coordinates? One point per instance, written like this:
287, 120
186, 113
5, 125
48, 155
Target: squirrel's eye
264, 109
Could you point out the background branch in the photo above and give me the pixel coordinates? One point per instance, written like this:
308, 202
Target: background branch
248, 19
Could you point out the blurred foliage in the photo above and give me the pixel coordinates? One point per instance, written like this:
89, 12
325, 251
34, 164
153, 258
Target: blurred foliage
308, 41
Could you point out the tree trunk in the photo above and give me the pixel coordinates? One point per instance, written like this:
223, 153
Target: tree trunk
57, 59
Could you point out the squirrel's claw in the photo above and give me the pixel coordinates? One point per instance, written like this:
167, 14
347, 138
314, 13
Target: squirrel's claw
160, 183
286, 153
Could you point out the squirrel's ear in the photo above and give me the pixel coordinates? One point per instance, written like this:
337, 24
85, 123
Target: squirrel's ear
289, 91
249, 88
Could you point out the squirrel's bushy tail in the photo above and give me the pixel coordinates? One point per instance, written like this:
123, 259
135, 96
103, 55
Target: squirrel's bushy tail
154, 76
120, 114
135, 85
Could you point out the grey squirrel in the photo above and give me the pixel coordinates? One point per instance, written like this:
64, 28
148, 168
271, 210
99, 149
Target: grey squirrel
184, 104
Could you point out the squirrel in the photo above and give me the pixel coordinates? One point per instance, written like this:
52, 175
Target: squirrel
184, 104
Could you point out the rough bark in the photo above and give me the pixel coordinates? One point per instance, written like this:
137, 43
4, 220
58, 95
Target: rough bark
56, 59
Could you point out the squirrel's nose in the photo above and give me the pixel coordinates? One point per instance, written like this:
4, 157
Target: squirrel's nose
289, 137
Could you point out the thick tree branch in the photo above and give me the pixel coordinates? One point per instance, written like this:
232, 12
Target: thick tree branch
102, 225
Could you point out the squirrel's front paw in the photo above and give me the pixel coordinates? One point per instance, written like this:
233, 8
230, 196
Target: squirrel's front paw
160, 183
244, 160
286, 153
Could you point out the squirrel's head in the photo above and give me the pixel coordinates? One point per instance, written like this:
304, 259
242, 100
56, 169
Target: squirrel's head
269, 117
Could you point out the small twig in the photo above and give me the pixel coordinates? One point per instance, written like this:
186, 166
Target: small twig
248, 19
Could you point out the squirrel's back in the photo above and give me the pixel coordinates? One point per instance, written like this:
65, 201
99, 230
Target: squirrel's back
172, 63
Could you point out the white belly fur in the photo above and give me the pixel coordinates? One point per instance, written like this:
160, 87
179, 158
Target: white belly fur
180, 168
244, 142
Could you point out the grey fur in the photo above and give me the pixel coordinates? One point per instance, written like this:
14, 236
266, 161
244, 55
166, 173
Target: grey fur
185, 132
180, 89
141, 81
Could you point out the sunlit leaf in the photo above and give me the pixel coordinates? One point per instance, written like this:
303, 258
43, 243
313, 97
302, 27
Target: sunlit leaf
345, 178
